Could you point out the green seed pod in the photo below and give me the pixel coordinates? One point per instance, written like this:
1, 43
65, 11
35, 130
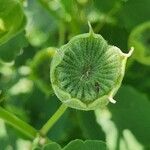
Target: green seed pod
87, 72
140, 39
40, 65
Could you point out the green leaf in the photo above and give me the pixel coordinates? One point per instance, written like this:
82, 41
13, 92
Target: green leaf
40, 30
10, 49
130, 78
40, 66
12, 19
140, 40
90, 129
68, 5
130, 10
116, 35
77, 145
105, 5
52, 146
9, 139
60, 132
85, 145
129, 116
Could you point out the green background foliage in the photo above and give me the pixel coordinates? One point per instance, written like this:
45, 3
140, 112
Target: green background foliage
27, 28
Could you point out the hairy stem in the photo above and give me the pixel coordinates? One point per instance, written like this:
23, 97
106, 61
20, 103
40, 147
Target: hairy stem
48, 125
17, 123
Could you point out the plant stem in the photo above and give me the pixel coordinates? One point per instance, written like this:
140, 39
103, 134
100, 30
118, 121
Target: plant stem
48, 125
17, 123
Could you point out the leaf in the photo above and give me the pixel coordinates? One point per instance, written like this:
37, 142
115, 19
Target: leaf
12, 19
131, 112
9, 138
130, 10
12, 22
40, 66
41, 28
48, 105
139, 39
10, 49
90, 129
85, 145
52, 146
130, 78
77, 145
104, 5
68, 5
116, 35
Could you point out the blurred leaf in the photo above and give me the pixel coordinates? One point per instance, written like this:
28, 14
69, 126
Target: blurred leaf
140, 40
23, 86
77, 145
142, 76
12, 19
40, 108
55, 9
85, 145
40, 66
116, 35
52, 146
78, 23
9, 139
23, 144
68, 5
41, 26
3, 135
90, 128
131, 112
25, 56
130, 10
12, 48
105, 5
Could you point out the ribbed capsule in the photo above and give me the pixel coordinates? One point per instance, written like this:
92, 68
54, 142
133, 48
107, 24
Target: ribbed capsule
87, 72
